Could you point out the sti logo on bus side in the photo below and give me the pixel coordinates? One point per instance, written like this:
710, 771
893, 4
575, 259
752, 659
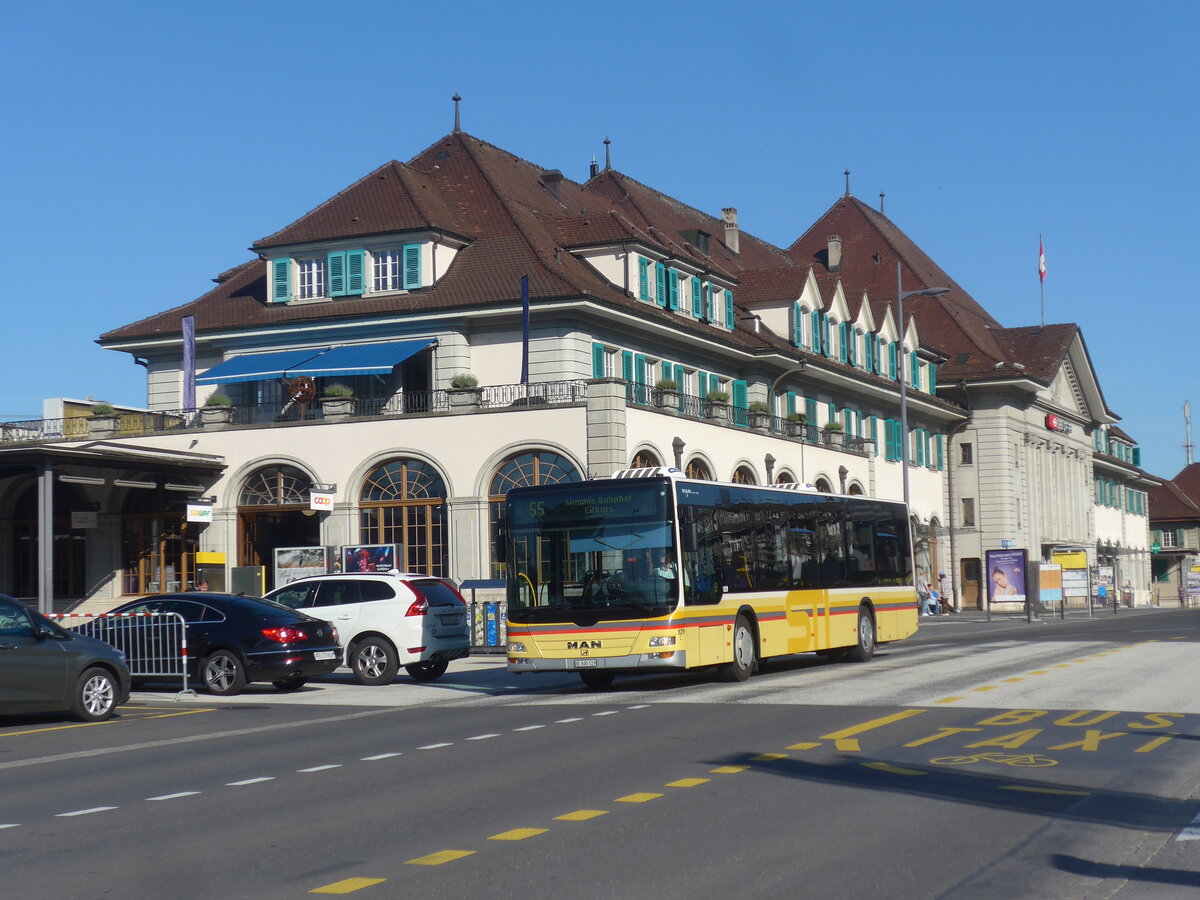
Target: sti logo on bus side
580, 645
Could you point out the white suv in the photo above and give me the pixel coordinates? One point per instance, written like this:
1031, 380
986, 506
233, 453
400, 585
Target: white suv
387, 620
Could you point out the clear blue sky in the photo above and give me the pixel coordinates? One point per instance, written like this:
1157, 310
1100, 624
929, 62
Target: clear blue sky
149, 144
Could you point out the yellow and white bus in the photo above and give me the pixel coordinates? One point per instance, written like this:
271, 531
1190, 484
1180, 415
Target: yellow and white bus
651, 571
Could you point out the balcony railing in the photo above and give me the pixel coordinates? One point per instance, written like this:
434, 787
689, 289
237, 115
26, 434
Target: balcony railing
408, 403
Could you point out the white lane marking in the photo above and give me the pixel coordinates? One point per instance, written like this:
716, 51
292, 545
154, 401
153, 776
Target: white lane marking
85, 812
249, 781
13, 825
607, 712
379, 756
321, 768
529, 728
565, 721
174, 796
1190, 832
639, 706
436, 746
482, 737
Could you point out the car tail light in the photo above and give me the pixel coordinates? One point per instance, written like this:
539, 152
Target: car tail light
419, 607
285, 635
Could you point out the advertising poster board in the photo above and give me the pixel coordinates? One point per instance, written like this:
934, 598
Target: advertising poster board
368, 558
1050, 582
1075, 582
292, 563
1006, 576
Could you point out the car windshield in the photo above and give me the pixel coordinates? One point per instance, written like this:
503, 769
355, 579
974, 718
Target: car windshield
591, 550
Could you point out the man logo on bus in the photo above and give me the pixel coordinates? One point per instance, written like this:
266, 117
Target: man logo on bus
579, 645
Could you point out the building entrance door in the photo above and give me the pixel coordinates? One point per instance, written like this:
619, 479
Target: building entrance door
261, 531
970, 583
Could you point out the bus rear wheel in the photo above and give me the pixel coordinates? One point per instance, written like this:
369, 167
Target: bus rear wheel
597, 680
745, 652
864, 649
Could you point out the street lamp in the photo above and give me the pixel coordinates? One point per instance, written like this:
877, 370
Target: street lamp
900, 296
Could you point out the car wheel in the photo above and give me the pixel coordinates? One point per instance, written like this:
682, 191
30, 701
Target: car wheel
744, 652
223, 674
597, 680
373, 661
95, 696
427, 670
287, 685
864, 649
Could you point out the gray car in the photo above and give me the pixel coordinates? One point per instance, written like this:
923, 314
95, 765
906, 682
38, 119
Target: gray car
45, 668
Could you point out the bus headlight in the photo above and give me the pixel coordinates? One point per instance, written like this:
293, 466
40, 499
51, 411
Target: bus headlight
664, 641
516, 647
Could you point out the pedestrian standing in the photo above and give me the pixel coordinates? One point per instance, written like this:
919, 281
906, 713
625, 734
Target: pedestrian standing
944, 591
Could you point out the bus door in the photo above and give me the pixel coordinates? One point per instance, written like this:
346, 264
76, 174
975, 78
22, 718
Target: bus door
805, 601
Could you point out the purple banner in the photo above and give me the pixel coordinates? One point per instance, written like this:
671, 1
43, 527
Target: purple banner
189, 362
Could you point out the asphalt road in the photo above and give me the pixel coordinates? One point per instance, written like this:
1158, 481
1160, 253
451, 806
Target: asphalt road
976, 760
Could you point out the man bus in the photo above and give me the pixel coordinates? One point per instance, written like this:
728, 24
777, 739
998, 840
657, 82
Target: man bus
651, 571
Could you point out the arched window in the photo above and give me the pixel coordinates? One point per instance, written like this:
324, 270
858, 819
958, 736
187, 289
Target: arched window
698, 470
785, 477
823, 486
855, 490
522, 470
644, 459
403, 502
273, 512
743, 475
275, 486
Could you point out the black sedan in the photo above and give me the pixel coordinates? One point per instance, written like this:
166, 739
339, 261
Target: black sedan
45, 668
231, 640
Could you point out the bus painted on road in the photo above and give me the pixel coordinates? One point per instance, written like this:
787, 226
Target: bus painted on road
650, 571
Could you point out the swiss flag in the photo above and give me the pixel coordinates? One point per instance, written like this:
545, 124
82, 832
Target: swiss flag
1041, 261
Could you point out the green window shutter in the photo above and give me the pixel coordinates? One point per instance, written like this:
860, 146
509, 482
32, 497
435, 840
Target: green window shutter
848, 420
660, 284
932, 370
878, 355
706, 303
1137, 456
826, 335
281, 280
873, 433
831, 412
810, 413
915, 369
643, 278
355, 270
740, 403
1178, 537
791, 403
697, 299
672, 289
889, 436
843, 342
920, 448
412, 267
665, 369
701, 384
852, 350
714, 382
627, 365
892, 361
678, 378
868, 354
335, 266
941, 452
816, 332
797, 325
729, 321
597, 360
639, 368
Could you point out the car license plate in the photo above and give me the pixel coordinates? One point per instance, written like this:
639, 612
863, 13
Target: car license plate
587, 663
324, 654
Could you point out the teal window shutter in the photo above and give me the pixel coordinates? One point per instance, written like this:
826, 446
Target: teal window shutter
873, 434
660, 284
740, 403
848, 420
920, 441
1137, 456
356, 282
810, 413
878, 355
852, 351
843, 343
714, 382
697, 299
627, 365
701, 384
797, 325
914, 365
932, 378
706, 303
791, 403
889, 435
941, 452
826, 335
412, 266
281, 272
597, 360
672, 289
665, 368
643, 278
335, 264
639, 368
868, 354
892, 361
816, 331
831, 412
729, 322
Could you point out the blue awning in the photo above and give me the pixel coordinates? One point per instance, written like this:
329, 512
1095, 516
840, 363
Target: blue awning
256, 366
358, 359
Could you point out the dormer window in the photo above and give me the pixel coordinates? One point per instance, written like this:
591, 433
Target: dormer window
311, 278
346, 273
397, 269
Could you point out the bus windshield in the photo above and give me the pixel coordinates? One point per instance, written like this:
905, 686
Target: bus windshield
590, 551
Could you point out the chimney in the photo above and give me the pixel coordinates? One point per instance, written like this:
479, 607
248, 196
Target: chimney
552, 179
594, 168
729, 216
833, 260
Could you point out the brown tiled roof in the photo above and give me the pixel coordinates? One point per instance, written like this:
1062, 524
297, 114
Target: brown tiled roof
1120, 435
1170, 501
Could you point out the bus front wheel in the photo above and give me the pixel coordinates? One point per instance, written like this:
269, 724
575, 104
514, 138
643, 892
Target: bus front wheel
864, 649
597, 680
744, 652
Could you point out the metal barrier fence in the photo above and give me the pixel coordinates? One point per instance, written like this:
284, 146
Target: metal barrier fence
487, 618
154, 644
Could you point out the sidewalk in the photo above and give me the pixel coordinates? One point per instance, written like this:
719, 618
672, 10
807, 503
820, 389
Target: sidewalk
979, 615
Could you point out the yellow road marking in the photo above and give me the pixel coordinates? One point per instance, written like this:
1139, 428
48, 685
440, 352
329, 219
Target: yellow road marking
850, 745
57, 728
644, 797
437, 859
948, 700
689, 782
1036, 790
768, 757
895, 770
986, 687
1012, 680
1153, 745
348, 886
1038, 672
805, 745
1062, 665
871, 725
582, 815
1085, 659
728, 770
518, 834
1180, 638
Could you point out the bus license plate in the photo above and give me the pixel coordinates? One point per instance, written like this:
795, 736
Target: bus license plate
587, 663
324, 654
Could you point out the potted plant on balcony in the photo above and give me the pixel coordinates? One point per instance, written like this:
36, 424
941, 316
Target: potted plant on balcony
833, 434
759, 415
718, 405
103, 419
797, 424
464, 393
337, 401
666, 394
217, 410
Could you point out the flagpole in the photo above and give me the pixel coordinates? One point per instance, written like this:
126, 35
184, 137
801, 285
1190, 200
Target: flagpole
1042, 277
